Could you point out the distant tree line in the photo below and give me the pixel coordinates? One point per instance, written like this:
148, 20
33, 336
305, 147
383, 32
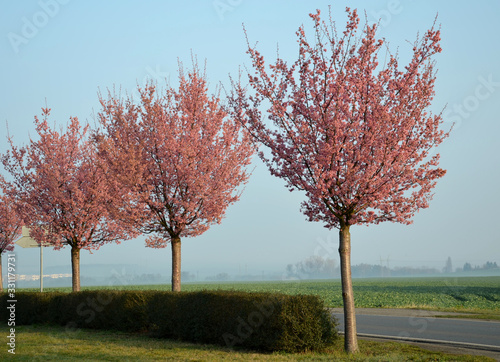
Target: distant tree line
316, 267
489, 265
486, 266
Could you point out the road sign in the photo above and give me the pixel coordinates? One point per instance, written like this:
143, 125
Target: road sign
27, 241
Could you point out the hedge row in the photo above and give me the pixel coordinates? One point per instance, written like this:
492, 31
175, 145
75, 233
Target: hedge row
261, 321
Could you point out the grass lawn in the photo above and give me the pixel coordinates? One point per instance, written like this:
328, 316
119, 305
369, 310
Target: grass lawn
55, 343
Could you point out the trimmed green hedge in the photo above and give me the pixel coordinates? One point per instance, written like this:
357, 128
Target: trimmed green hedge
261, 321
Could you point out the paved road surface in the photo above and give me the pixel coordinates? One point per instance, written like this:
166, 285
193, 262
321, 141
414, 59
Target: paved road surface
422, 325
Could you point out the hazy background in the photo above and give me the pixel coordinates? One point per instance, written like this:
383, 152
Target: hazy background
62, 52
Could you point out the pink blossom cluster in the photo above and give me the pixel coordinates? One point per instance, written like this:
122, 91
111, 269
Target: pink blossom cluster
354, 135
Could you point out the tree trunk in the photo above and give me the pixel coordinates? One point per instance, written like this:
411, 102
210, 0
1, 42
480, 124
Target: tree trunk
176, 264
351, 338
75, 268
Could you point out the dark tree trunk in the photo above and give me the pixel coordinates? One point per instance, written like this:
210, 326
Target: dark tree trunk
176, 264
351, 338
75, 268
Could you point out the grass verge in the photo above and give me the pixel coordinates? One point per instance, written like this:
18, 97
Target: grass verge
55, 343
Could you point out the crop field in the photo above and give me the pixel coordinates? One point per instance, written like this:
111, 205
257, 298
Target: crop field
451, 294
465, 294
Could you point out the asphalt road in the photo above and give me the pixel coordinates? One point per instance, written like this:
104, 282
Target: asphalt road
426, 328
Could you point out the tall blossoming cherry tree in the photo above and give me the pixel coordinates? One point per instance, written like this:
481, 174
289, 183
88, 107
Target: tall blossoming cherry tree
180, 155
355, 135
61, 191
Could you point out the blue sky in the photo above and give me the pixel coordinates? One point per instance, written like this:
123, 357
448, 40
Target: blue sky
62, 52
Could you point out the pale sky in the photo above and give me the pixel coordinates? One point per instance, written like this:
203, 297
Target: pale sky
61, 52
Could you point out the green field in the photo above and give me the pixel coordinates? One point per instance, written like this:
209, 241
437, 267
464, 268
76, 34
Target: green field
464, 294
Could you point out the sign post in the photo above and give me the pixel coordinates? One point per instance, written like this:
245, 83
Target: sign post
28, 242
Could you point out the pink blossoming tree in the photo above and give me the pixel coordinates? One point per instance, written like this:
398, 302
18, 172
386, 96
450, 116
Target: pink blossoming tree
180, 156
61, 191
353, 134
